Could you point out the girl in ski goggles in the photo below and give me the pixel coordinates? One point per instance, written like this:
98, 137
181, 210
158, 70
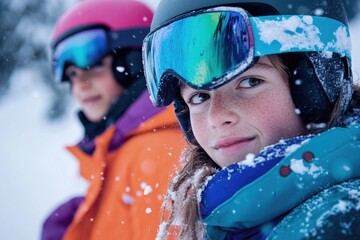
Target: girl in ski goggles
88, 47
206, 49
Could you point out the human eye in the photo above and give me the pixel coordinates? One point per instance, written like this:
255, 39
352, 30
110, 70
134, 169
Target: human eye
70, 73
249, 82
98, 66
101, 65
198, 98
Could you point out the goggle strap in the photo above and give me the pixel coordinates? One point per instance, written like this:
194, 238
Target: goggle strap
299, 33
128, 38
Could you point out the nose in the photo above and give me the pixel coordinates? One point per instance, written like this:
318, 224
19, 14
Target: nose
223, 111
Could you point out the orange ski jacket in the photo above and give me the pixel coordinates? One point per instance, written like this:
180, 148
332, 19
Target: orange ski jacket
127, 181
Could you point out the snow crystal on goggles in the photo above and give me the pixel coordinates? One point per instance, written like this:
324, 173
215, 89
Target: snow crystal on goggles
206, 49
87, 48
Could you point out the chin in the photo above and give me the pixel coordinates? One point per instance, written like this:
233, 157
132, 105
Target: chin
94, 118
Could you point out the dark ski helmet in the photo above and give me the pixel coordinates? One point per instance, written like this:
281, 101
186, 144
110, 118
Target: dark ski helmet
92, 29
318, 80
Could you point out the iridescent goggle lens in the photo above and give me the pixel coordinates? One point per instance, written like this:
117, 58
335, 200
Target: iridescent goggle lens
84, 50
198, 49
206, 49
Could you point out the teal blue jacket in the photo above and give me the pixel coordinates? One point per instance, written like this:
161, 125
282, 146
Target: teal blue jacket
334, 213
311, 193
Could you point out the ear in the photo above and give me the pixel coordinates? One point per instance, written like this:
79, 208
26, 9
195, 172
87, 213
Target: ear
127, 66
308, 94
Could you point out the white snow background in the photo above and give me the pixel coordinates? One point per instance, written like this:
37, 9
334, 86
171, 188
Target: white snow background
37, 173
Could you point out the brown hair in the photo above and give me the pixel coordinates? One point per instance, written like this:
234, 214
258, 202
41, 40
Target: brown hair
182, 200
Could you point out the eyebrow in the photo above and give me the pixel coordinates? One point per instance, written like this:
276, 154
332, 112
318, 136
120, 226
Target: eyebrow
181, 85
262, 65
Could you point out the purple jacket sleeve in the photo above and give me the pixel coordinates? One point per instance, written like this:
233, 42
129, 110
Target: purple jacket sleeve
57, 222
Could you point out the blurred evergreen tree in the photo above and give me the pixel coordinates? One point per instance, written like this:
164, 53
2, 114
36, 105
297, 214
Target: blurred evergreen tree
25, 30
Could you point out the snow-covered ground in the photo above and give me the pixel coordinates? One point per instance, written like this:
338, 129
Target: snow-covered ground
36, 173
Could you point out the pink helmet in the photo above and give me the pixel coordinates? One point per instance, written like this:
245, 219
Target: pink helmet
112, 14
123, 23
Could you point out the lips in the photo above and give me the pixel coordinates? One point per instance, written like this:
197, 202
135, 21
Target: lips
90, 100
230, 142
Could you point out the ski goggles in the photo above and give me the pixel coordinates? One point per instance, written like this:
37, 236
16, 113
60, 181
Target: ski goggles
206, 49
87, 48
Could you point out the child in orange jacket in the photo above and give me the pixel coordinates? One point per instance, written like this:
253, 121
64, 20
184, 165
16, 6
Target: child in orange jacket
130, 149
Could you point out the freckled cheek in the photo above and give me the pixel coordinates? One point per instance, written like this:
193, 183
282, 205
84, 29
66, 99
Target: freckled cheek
283, 105
275, 116
199, 128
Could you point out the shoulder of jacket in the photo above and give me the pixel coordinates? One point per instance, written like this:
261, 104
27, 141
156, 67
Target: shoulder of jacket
164, 119
331, 214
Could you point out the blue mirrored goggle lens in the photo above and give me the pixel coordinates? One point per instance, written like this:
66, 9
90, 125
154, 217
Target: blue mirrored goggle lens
83, 50
203, 56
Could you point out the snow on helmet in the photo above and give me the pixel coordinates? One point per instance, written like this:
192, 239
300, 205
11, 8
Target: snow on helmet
92, 29
318, 79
